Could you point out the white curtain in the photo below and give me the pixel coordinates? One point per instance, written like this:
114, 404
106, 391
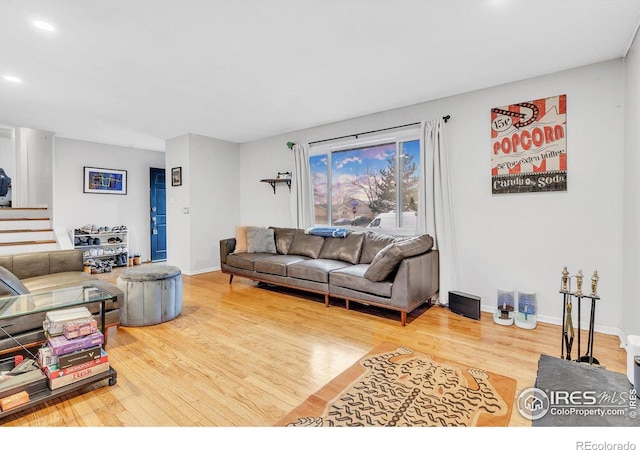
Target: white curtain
436, 213
301, 194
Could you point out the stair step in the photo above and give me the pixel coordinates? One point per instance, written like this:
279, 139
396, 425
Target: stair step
21, 235
8, 244
7, 213
13, 219
26, 230
22, 223
25, 247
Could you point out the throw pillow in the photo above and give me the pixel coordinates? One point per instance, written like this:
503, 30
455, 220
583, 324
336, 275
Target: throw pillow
241, 240
10, 284
373, 243
387, 259
260, 240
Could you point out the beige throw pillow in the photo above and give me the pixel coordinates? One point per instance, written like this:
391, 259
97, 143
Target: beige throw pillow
241, 240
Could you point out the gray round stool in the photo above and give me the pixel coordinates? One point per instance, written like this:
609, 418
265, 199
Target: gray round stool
152, 294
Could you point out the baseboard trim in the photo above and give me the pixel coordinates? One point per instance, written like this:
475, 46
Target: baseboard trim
558, 321
201, 271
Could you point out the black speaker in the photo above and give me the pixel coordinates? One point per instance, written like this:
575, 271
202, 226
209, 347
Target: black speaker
464, 304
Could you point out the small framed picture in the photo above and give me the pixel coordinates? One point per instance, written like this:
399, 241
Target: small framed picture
176, 176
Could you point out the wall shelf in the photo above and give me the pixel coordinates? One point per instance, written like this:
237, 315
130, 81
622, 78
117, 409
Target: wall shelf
274, 181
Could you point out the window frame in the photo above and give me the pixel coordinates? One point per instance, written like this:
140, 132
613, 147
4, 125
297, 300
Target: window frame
397, 136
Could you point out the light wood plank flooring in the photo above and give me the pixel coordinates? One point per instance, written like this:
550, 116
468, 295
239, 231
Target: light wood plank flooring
240, 355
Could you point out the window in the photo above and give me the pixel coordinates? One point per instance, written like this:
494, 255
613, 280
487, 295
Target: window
368, 183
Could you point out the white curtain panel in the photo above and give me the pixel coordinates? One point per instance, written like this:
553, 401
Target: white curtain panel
436, 214
302, 195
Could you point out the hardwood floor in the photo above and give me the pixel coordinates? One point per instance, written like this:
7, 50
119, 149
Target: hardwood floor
243, 356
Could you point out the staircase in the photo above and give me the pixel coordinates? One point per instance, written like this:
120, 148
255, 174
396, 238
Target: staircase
24, 230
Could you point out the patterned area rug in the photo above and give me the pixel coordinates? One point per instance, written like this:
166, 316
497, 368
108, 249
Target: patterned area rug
397, 386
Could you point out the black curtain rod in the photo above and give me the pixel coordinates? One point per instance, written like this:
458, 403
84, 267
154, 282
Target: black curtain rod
356, 135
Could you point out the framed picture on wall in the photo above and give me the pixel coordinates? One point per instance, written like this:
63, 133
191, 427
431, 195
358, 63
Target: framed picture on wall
104, 181
176, 176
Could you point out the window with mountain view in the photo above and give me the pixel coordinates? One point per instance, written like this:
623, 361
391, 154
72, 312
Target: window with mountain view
368, 185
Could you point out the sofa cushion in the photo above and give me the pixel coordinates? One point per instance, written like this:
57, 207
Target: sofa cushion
241, 240
387, 259
245, 260
57, 281
10, 284
345, 249
260, 240
315, 269
276, 264
373, 243
284, 237
306, 244
352, 277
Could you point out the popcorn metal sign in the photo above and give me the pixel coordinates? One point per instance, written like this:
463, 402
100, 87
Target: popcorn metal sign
529, 146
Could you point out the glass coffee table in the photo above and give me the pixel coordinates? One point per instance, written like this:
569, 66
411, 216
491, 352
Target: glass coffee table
41, 302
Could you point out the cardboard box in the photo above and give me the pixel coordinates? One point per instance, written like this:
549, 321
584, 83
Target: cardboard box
80, 327
61, 345
55, 320
55, 371
46, 356
79, 357
13, 401
65, 380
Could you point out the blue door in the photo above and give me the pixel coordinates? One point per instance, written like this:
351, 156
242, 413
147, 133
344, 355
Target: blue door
158, 215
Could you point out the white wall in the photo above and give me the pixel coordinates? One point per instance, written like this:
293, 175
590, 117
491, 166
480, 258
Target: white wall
210, 191
32, 184
215, 199
73, 208
178, 198
631, 262
519, 241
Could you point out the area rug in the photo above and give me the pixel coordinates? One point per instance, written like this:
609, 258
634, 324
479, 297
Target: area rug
394, 385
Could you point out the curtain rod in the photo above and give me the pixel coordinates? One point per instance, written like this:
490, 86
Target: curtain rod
356, 135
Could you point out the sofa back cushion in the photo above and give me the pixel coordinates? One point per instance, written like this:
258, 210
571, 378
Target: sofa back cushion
345, 249
10, 284
306, 244
284, 237
373, 243
387, 259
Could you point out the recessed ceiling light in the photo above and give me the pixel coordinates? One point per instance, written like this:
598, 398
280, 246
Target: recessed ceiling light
11, 79
46, 26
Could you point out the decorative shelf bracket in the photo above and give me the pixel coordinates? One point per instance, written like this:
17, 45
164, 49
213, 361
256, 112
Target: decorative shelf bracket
274, 181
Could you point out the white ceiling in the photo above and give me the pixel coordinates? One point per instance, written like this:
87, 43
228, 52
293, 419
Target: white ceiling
137, 72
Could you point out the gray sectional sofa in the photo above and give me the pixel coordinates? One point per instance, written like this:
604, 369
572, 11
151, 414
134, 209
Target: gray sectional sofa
396, 273
40, 272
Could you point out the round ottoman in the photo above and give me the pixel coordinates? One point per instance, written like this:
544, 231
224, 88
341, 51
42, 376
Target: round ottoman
152, 294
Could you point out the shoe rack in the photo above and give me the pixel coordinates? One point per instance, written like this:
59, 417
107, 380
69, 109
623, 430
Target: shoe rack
102, 247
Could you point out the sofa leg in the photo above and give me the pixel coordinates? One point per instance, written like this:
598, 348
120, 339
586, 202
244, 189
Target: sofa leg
403, 318
326, 300
346, 303
230, 278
